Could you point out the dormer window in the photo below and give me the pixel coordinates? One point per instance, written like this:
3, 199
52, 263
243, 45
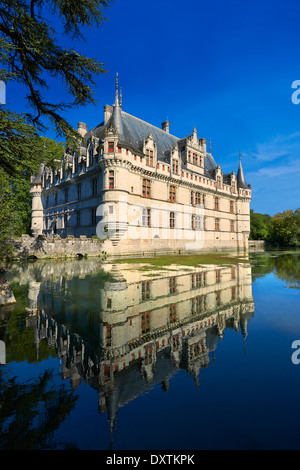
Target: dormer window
175, 167
149, 157
219, 181
111, 147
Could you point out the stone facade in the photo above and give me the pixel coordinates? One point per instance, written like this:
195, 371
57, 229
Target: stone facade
143, 189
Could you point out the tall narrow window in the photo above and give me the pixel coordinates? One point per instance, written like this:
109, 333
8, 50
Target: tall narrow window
65, 220
145, 322
111, 179
146, 221
175, 167
218, 275
232, 226
192, 198
93, 216
111, 147
231, 207
145, 290
172, 284
172, 219
94, 187
146, 188
216, 203
149, 157
219, 181
217, 225
233, 187
198, 199
66, 195
172, 194
172, 313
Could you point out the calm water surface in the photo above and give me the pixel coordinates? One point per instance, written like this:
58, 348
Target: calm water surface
102, 356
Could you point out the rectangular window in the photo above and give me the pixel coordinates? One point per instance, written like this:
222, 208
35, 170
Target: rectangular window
233, 293
218, 275
216, 203
198, 199
55, 199
172, 313
197, 280
217, 225
108, 330
149, 157
119, 150
94, 187
192, 198
146, 188
65, 220
111, 179
231, 207
232, 226
172, 194
219, 181
172, 284
145, 290
146, 221
218, 298
145, 322
233, 187
93, 216
175, 167
172, 219
111, 147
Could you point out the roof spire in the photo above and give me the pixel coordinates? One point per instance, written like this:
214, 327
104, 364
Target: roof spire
241, 181
117, 90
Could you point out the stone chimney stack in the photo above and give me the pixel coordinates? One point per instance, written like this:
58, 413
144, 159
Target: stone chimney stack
165, 126
107, 113
82, 128
203, 144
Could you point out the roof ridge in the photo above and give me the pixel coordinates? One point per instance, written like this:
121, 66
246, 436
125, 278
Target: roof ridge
152, 125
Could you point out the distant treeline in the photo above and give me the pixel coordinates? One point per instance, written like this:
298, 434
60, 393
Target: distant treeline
283, 229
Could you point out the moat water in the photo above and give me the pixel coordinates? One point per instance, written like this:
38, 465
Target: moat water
131, 356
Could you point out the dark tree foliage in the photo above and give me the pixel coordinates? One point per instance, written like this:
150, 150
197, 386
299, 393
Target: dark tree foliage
31, 55
31, 412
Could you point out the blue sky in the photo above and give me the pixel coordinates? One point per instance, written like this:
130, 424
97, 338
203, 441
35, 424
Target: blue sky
225, 67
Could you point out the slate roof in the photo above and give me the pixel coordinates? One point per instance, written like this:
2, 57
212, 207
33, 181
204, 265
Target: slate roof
132, 131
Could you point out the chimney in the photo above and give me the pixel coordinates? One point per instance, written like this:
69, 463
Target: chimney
165, 126
82, 128
107, 113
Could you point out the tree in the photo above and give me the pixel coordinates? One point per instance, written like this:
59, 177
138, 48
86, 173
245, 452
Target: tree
260, 226
285, 228
31, 55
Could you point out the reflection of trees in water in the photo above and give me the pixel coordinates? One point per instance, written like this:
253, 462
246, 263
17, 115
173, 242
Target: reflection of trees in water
31, 412
286, 266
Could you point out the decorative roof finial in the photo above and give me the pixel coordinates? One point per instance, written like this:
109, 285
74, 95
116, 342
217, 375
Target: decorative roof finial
240, 156
210, 145
117, 90
121, 97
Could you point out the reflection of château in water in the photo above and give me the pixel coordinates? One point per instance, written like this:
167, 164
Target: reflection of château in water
136, 329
